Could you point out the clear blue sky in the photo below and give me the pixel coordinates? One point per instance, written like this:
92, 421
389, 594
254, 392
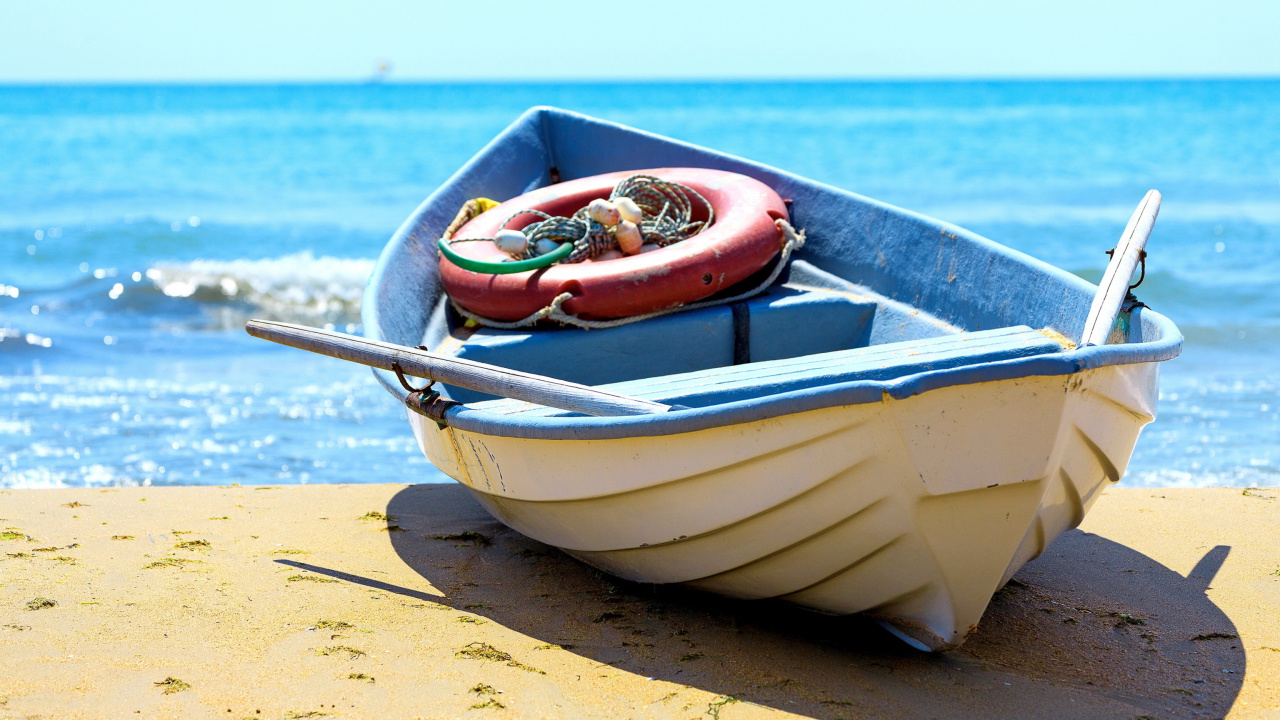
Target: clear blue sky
320, 40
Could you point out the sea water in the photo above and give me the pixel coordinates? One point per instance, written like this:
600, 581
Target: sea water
141, 226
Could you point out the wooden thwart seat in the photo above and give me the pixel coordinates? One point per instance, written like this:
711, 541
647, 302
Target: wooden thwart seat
714, 386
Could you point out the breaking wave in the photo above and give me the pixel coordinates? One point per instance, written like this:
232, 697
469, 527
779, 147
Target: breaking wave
298, 287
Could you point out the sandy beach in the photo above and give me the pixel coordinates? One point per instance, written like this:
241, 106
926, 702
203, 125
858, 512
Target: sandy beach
397, 601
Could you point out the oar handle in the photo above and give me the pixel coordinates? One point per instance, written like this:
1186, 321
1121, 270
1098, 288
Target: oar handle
455, 371
1115, 281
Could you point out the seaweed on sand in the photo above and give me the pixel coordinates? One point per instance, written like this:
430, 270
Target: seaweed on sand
1216, 635
173, 685
467, 536
310, 578
168, 562
350, 652
1124, 619
485, 651
715, 706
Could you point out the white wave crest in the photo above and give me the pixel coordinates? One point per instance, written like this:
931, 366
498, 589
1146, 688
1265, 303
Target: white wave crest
294, 287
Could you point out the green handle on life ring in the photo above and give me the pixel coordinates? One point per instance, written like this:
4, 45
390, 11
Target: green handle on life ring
505, 268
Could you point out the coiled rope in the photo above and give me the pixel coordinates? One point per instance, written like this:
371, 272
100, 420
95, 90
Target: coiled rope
792, 240
666, 218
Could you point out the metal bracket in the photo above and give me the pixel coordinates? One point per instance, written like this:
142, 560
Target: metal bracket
430, 405
1142, 262
404, 381
1131, 301
423, 400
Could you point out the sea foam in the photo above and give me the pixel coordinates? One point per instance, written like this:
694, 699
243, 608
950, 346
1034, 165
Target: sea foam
297, 287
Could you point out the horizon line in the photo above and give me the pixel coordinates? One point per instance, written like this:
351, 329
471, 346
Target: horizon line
768, 80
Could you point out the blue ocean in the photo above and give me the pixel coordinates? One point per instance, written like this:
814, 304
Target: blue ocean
141, 226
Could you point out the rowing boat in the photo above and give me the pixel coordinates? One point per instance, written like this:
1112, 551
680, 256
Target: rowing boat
894, 426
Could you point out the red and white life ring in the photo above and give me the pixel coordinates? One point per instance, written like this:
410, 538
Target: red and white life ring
742, 240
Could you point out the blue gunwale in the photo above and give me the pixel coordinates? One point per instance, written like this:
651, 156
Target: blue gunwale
403, 292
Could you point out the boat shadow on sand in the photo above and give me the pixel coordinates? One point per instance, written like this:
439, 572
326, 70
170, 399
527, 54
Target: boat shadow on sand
1090, 628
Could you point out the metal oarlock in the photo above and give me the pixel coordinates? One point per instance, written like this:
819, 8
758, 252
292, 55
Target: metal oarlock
423, 400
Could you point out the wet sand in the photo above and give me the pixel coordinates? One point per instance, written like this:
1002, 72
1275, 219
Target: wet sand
396, 601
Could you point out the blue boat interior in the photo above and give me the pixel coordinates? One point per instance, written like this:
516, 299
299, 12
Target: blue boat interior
881, 292
733, 383
791, 319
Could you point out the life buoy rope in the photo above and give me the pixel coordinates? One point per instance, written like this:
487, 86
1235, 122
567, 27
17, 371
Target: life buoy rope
792, 240
663, 216
707, 231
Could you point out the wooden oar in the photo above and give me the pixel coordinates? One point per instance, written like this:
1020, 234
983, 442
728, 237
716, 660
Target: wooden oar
455, 371
1115, 281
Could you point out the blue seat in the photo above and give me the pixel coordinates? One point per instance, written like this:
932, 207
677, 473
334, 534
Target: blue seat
783, 322
718, 385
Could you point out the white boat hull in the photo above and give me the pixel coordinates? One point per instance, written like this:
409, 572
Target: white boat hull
913, 510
